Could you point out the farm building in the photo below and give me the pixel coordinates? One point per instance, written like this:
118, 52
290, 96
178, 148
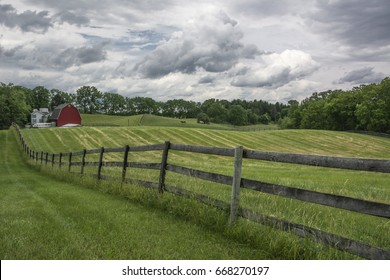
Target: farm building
65, 114
39, 115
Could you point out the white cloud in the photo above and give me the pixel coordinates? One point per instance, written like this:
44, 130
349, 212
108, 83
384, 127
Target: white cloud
275, 70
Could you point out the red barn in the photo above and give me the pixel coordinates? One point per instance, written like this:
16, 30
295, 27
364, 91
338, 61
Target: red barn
65, 114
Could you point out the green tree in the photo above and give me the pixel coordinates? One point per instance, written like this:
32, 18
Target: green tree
203, 118
88, 99
59, 97
113, 104
265, 118
237, 115
13, 106
142, 105
373, 113
40, 97
217, 112
339, 110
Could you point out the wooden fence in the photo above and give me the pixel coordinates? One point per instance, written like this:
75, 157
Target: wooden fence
237, 182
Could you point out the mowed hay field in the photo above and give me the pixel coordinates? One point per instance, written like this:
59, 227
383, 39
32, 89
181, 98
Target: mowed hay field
356, 184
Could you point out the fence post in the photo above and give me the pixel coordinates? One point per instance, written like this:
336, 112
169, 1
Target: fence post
163, 167
41, 157
235, 199
70, 161
52, 160
125, 157
47, 155
83, 161
36, 157
100, 163
60, 160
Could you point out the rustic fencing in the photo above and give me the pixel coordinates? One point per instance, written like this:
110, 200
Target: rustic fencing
237, 182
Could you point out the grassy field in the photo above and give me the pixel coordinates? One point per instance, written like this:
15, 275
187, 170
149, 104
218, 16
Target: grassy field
362, 185
45, 214
46, 217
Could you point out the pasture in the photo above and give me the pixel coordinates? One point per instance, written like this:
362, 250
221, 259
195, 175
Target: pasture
357, 184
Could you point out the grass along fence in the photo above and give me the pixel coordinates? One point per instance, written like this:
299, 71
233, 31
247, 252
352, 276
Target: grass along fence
236, 182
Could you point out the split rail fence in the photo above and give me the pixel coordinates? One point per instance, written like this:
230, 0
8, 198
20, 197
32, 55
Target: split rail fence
236, 182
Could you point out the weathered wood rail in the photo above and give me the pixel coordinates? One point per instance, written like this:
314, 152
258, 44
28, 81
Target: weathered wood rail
237, 182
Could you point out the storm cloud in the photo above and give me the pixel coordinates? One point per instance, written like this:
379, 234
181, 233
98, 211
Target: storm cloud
358, 23
362, 76
78, 56
28, 21
212, 43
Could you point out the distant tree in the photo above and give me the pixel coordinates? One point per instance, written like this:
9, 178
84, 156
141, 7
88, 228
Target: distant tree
13, 106
180, 108
113, 104
40, 97
88, 99
203, 118
217, 112
59, 97
373, 112
253, 118
141, 105
237, 115
265, 118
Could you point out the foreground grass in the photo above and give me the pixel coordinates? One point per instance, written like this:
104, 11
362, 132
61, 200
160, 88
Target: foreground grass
46, 217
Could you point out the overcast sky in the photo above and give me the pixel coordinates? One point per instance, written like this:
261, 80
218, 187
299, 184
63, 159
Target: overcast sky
274, 50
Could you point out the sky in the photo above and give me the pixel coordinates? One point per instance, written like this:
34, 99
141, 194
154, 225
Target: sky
272, 50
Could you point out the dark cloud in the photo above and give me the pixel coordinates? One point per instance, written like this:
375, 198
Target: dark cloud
79, 56
28, 21
212, 43
37, 22
71, 18
9, 52
267, 8
358, 23
364, 75
206, 80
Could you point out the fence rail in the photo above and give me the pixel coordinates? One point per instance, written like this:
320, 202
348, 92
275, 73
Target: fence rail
236, 182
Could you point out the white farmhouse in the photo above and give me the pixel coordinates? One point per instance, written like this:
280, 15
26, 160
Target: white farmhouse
39, 116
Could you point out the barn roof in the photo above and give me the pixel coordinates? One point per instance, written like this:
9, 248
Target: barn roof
57, 111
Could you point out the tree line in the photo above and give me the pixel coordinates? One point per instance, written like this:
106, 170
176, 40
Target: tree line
17, 103
366, 108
